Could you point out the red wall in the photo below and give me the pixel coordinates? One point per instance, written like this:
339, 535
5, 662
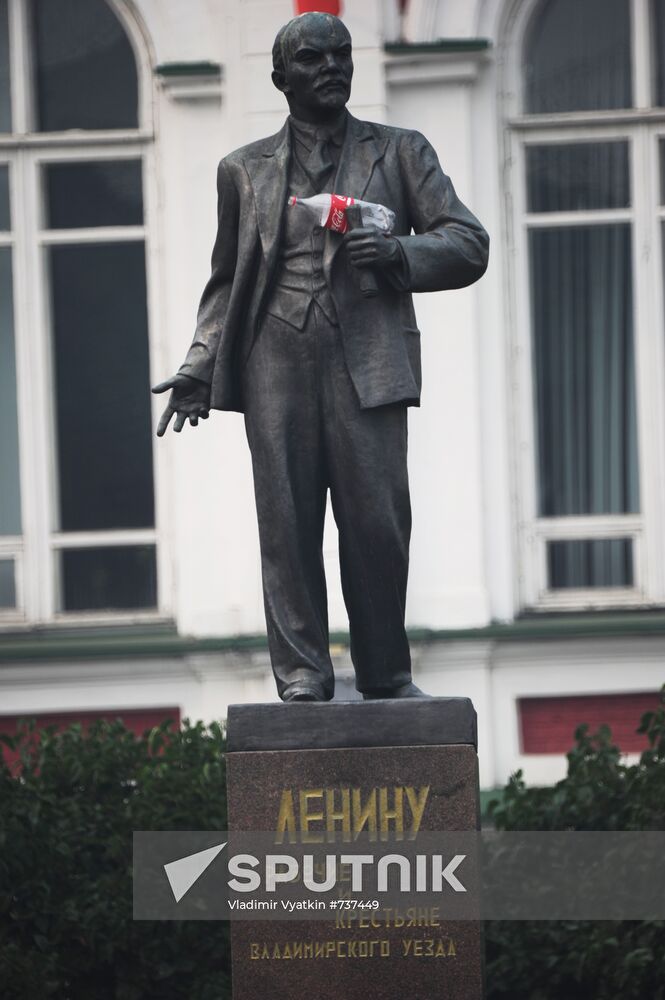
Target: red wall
324, 6
136, 719
547, 725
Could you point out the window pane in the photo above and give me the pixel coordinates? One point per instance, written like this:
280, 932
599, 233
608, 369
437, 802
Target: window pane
658, 51
581, 294
5, 92
10, 496
577, 176
102, 386
112, 578
661, 155
85, 67
577, 56
7, 584
97, 193
5, 218
594, 562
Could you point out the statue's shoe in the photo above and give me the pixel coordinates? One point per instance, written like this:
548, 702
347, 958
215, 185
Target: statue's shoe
303, 692
409, 690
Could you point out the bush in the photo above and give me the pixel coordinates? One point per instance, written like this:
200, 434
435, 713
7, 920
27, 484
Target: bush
66, 823
584, 960
66, 928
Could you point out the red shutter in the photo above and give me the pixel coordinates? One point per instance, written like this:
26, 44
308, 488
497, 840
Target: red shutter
547, 725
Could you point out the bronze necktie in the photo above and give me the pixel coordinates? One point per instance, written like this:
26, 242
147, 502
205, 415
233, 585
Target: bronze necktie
319, 162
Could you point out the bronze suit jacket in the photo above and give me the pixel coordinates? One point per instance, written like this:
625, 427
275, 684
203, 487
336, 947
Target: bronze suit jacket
443, 244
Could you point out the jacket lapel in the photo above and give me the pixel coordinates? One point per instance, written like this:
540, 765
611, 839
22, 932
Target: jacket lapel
361, 151
269, 174
360, 154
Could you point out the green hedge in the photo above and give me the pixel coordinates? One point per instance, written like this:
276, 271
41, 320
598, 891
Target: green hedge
66, 928
584, 960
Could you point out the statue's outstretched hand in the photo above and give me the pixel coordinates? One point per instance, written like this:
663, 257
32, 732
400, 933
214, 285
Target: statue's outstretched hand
190, 398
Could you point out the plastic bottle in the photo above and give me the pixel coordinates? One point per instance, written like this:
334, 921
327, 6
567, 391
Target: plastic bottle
329, 211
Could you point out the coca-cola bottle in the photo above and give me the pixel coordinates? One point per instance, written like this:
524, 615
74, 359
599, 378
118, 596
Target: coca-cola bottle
329, 211
342, 212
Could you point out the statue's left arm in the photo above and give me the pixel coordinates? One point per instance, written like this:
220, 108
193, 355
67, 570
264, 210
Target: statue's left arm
449, 248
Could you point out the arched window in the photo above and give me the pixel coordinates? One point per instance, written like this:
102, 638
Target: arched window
577, 56
77, 524
587, 141
85, 69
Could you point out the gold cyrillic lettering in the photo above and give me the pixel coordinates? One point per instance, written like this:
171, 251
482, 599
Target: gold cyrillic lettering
306, 817
417, 803
342, 815
286, 821
364, 815
396, 813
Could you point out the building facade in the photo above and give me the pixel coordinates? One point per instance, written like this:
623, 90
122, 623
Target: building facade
129, 567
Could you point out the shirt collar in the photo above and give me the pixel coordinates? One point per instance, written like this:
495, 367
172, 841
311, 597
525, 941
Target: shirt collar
308, 133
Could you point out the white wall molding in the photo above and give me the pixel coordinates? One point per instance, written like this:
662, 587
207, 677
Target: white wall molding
404, 69
191, 82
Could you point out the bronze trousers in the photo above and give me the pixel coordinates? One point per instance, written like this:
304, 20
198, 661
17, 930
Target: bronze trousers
308, 435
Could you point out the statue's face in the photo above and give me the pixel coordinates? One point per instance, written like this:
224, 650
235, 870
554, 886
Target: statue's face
319, 67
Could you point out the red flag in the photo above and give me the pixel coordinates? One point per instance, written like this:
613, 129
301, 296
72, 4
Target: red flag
323, 6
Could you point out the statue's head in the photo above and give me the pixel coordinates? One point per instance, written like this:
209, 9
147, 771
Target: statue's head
312, 65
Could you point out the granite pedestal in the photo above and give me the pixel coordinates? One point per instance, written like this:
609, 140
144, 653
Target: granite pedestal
412, 762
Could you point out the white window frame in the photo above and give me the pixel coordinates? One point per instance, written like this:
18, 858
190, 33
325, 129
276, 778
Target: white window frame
641, 126
26, 152
11, 546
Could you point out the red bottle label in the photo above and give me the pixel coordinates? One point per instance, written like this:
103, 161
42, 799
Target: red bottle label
337, 215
